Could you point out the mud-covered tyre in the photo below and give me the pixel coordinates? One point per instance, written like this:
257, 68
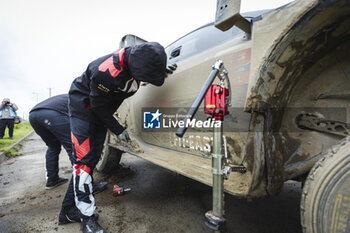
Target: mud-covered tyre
325, 202
110, 158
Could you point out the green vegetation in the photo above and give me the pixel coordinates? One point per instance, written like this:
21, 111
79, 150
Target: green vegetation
11, 152
20, 131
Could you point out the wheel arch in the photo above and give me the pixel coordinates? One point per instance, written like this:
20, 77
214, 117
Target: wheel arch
312, 37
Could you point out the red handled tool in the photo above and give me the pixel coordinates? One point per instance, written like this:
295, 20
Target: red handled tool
217, 99
118, 191
215, 102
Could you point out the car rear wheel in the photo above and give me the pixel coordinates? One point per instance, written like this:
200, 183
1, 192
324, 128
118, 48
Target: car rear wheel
110, 158
325, 202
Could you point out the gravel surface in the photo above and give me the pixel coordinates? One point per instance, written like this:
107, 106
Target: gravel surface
160, 200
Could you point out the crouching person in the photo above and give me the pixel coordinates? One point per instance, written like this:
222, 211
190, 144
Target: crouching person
50, 120
93, 99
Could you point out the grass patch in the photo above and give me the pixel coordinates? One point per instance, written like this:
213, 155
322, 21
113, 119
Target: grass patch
19, 131
11, 152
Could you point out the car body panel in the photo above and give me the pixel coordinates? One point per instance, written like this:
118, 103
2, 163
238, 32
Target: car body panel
259, 66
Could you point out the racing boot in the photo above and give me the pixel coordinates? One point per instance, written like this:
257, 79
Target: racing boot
54, 184
71, 216
90, 225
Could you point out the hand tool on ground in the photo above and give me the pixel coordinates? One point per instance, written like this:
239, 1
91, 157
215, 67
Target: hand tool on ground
118, 191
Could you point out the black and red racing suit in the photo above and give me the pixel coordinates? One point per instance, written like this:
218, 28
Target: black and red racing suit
100, 90
93, 99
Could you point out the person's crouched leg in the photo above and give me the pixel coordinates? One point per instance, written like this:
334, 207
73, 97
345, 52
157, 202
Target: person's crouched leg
84, 198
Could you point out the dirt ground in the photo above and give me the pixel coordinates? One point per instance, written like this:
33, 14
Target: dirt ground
160, 200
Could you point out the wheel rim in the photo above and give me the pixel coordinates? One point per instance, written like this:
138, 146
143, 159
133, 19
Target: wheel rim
334, 214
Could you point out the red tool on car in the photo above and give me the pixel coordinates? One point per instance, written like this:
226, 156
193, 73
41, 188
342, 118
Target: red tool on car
217, 99
215, 102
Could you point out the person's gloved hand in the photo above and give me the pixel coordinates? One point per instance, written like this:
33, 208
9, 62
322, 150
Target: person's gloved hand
124, 136
170, 69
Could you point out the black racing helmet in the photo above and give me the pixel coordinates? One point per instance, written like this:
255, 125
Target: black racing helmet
148, 63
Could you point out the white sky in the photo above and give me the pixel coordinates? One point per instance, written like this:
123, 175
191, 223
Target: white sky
48, 43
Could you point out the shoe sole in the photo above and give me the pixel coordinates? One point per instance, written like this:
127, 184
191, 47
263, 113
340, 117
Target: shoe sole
58, 184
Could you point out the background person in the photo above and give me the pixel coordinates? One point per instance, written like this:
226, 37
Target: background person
50, 120
7, 117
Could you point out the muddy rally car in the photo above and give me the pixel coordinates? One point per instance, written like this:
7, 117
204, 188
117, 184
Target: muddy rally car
289, 118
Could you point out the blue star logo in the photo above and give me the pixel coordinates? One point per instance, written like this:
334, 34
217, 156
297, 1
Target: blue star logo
151, 120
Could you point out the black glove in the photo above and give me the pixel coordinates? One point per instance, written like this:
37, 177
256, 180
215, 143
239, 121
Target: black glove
170, 69
124, 136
